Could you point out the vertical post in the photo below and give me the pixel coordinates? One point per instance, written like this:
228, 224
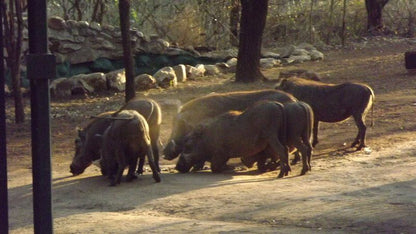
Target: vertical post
40, 68
4, 214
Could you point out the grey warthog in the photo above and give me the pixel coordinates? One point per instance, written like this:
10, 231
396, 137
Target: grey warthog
87, 146
201, 109
299, 125
333, 103
125, 141
260, 128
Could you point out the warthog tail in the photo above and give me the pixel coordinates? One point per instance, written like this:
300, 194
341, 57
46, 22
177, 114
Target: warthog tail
371, 102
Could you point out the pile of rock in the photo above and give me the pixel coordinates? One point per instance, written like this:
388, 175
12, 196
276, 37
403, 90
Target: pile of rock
166, 77
78, 43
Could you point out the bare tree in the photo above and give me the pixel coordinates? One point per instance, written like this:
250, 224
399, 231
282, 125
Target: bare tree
124, 11
252, 22
374, 15
99, 11
234, 18
12, 14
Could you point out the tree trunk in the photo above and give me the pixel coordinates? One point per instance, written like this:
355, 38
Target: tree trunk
234, 19
13, 37
252, 22
124, 11
343, 28
374, 15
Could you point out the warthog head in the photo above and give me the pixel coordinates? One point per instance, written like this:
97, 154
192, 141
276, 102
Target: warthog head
193, 151
84, 155
176, 144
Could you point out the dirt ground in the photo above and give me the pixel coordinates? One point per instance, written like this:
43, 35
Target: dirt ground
371, 191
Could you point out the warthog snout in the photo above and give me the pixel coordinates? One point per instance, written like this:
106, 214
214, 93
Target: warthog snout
182, 165
76, 170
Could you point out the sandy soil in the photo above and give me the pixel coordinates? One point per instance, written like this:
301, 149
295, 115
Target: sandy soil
372, 191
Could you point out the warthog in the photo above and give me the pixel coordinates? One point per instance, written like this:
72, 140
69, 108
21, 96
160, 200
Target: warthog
299, 126
201, 109
333, 103
260, 128
125, 141
87, 147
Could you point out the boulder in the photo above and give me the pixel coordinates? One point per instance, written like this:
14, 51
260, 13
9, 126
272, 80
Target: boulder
300, 58
166, 77
211, 70
285, 52
57, 23
306, 46
102, 65
269, 62
116, 80
180, 71
299, 52
194, 72
316, 55
93, 82
269, 54
144, 82
62, 87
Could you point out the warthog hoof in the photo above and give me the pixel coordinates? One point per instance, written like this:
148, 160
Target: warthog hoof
130, 178
156, 177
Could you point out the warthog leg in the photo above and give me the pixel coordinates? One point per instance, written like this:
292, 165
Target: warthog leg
132, 166
315, 132
278, 150
360, 139
152, 164
217, 163
121, 161
140, 166
306, 155
155, 149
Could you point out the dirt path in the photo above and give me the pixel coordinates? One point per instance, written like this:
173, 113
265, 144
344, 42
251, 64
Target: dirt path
371, 191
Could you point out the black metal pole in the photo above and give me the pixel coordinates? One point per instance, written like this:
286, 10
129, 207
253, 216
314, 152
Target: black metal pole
40, 68
4, 214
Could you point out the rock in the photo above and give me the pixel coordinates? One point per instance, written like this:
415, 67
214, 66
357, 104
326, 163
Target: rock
232, 64
306, 46
285, 52
180, 71
300, 58
269, 54
95, 26
299, 52
144, 82
222, 54
211, 70
158, 46
62, 87
116, 80
224, 67
102, 65
166, 77
269, 62
194, 72
93, 82
316, 55
57, 23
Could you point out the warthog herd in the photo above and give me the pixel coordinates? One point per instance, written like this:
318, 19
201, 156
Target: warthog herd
261, 127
